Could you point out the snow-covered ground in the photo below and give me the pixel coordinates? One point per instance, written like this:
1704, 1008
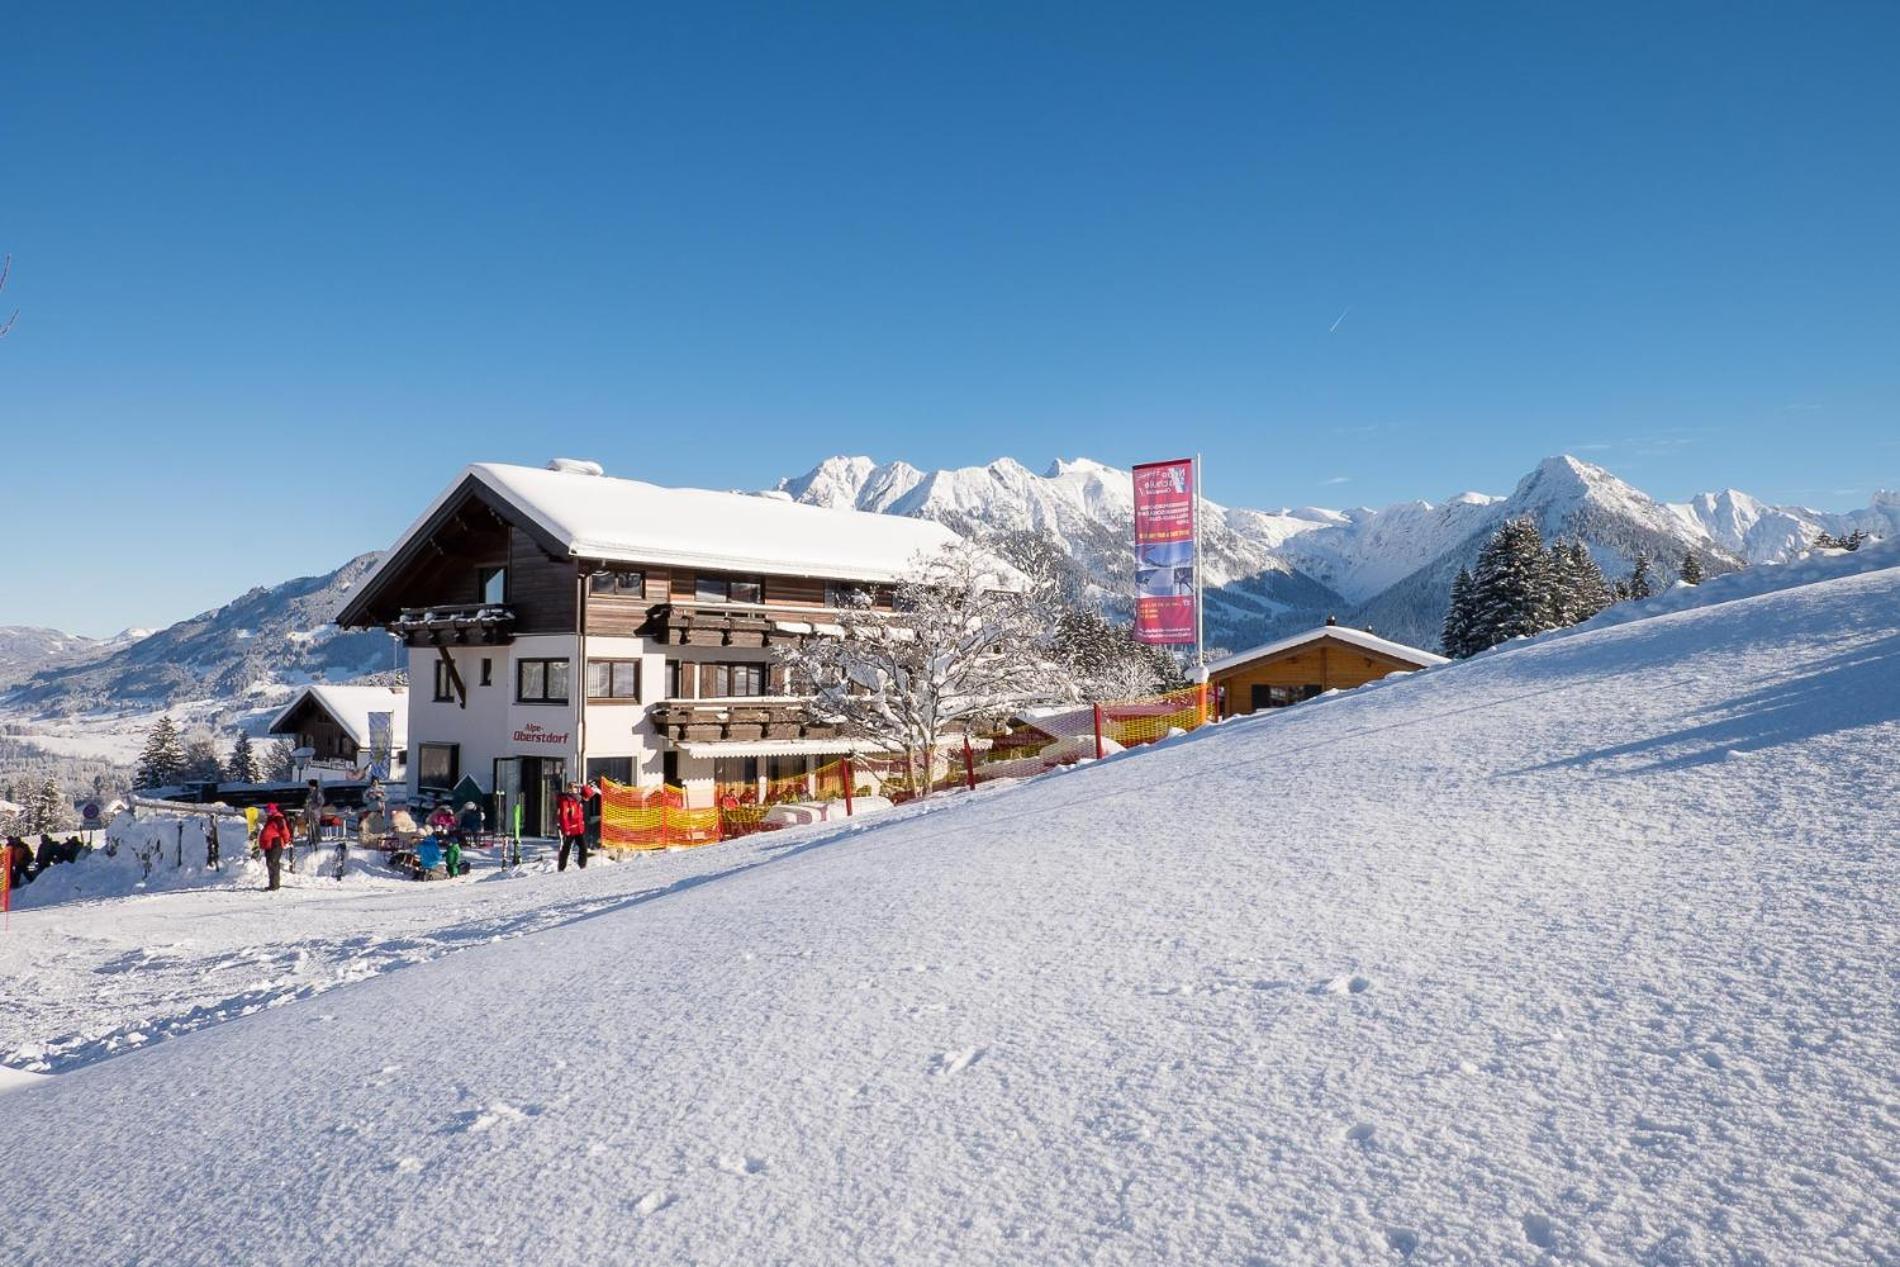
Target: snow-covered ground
1584, 952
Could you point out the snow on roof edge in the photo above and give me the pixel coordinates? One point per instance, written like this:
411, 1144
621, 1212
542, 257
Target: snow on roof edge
1358, 637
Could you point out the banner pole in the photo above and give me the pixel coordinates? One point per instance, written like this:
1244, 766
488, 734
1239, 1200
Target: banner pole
1200, 651
847, 787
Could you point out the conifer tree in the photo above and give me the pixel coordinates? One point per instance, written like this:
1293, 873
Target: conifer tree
1583, 590
1511, 586
163, 760
244, 766
202, 761
1456, 635
280, 766
1691, 569
49, 811
1638, 586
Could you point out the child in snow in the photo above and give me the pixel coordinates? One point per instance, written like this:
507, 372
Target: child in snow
428, 856
452, 856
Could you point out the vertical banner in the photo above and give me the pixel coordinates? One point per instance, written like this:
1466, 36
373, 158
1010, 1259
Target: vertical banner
1164, 552
381, 743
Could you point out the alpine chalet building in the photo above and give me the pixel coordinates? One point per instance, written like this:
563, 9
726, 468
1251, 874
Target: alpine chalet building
563, 624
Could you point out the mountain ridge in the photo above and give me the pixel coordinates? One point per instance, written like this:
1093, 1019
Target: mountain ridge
1269, 571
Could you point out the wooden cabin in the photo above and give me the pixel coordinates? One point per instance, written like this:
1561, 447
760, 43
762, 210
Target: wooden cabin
1329, 658
333, 722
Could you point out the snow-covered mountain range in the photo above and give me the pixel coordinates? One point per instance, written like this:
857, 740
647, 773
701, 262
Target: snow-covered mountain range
1271, 572
27, 649
242, 654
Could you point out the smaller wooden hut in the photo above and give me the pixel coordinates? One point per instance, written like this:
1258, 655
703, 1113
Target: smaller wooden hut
1331, 657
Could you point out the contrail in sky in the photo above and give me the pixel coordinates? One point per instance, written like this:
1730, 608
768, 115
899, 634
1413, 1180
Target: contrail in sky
1334, 328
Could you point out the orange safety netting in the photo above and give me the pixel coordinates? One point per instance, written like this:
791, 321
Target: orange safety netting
1040, 740
652, 818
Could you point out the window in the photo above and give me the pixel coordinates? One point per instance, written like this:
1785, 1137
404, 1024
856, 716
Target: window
739, 679
444, 681
626, 583
728, 589
541, 681
845, 594
613, 679
438, 765
488, 671
619, 769
673, 679
737, 777
492, 584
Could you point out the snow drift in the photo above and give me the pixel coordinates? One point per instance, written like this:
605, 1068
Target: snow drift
1582, 952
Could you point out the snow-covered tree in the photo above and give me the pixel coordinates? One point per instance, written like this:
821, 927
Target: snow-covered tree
1456, 634
1691, 569
1101, 658
202, 761
958, 650
1636, 586
1847, 541
163, 760
49, 811
1579, 590
1511, 586
243, 766
280, 765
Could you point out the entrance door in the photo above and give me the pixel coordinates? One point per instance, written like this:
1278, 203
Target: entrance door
533, 783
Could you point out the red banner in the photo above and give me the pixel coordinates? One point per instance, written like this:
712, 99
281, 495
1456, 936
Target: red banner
1164, 551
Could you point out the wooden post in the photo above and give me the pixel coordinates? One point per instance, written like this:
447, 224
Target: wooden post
1098, 732
847, 787
969, 763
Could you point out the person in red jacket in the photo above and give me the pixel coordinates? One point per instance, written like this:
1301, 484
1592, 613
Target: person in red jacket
573, 815
273, 838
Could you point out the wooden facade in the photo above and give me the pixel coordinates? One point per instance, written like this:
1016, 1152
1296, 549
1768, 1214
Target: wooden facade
314, 728
1325, 663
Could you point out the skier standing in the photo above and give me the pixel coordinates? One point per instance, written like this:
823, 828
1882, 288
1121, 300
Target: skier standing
573, 817
273, 839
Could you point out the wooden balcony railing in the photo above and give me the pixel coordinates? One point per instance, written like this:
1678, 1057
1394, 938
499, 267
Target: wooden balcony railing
488, 623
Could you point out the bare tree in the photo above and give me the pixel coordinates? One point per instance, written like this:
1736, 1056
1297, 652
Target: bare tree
6, 267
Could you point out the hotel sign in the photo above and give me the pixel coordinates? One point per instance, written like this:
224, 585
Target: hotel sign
535, 733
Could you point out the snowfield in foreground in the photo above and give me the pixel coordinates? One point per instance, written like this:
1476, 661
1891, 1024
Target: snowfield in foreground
1583, 952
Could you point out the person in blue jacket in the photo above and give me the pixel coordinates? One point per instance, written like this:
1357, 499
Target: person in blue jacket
428, 856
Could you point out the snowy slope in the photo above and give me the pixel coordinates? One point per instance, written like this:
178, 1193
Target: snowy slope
1589, 960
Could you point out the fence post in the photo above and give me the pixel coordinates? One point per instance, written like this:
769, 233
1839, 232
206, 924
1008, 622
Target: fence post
1098, 732
1203, 703
847, 787
969, 763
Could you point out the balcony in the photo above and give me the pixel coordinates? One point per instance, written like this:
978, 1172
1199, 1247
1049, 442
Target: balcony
682, 626
711, 721
452, 624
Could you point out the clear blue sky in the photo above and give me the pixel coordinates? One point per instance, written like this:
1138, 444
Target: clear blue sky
281, 270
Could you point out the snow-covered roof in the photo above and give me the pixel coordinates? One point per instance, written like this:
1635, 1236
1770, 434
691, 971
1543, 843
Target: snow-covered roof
351, 707
1340, 633
622, 520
